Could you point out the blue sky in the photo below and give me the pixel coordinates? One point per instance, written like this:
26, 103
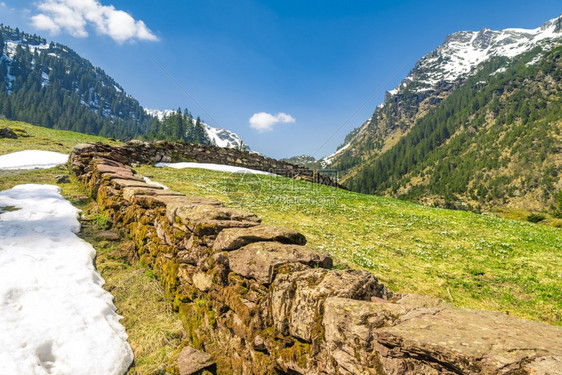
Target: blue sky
306, 68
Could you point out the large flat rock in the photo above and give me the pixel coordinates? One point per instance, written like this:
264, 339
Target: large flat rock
188, 201
259, 260
211, 219
129, 193
120, 183
232, 239
422, 335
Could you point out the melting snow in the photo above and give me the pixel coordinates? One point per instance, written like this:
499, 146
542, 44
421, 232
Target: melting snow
44, 79
213, 167
535, 60
328, 159
32, 159
55, 318
11, 46
503, 69
160, 115
154, 183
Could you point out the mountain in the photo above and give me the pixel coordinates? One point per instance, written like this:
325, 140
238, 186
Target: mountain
304, 160
50, 85
217, 137
463, 128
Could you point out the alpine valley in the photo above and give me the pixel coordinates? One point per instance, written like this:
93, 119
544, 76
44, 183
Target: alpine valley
475, 125
50, 85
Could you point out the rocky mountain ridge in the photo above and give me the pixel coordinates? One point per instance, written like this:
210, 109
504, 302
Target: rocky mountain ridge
430, 83
463, 51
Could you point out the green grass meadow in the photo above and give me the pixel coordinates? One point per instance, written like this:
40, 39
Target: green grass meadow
39, 138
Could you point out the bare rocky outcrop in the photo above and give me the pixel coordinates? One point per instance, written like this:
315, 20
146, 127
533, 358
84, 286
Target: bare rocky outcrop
7, 133
259, 301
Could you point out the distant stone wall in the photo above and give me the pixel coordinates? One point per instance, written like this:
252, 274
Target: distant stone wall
259, 301
171, 152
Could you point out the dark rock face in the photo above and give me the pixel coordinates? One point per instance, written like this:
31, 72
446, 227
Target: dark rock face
274, 305
62, 179
7, 133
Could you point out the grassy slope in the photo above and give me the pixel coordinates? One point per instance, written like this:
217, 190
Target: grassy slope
154, 331
44, 139
471, 260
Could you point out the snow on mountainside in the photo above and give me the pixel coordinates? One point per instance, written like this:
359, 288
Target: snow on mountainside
225, 138
219, 137
327, 160
464, 50
160, 115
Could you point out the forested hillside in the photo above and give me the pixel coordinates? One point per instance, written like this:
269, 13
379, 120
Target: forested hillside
50, 85
475, 125
497, 139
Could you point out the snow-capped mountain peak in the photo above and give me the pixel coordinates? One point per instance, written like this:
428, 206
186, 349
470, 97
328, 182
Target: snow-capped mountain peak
225, 138
219, 137
464, 50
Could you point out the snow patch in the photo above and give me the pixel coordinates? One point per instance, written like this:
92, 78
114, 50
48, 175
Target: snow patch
535, 60
213, 167
224, 138
160, 115
154, 183
329, 159
32, 159
44, 79
55, 317
503, 69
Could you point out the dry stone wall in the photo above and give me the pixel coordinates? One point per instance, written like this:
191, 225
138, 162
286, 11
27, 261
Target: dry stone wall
260, 301
167, 152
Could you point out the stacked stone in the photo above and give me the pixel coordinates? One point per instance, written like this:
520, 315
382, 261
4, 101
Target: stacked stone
167, 152
259, 301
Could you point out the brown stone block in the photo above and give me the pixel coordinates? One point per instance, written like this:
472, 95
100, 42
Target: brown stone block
259, 260
232, 239
298, 298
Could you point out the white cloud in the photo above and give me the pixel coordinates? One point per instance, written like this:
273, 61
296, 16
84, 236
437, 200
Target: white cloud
73, 16
263, 121
42, 22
